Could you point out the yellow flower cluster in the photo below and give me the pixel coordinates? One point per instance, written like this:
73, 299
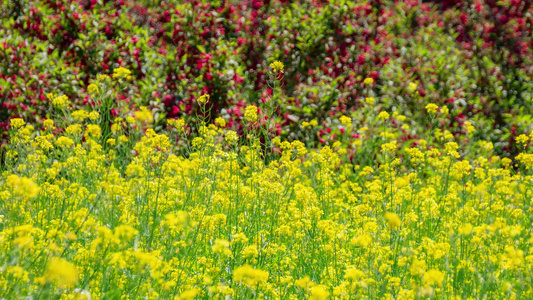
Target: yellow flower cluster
92, 89
80, 115
276, 67
48, 124
368, 80
346, 121
250, 114
103, 78
370, 100
220, 122
93, 131
16, 123
203, 99
22, 186
250, 276
412, 87
122, 72
179, 124
432, 108
144, 115
60, 101
469, 127
383, 115
312, 123
61, 272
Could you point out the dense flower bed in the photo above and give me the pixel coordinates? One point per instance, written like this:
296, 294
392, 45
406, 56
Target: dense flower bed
94, 206
265, 149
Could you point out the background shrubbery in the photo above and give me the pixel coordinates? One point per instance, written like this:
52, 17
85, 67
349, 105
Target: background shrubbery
473, 57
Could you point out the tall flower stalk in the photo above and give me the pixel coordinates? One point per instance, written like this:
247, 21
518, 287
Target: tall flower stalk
275, 74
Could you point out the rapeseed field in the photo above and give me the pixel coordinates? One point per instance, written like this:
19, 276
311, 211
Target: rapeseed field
96, 205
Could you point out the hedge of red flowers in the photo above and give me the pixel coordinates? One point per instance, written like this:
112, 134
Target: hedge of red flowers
472, 58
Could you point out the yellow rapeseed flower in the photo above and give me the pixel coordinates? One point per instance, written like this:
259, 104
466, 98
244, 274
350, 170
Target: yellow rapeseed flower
412, 86
432, 108
93, 131
433, 277
346, 120
190, 294
250, 113
220, 122
368, 80
60, 101
122, 72
61, 272
64, 141
231, 136
319, 292
179, 124
203, 99
23, 186
48, 124
92, 89
522, 139
221, 246
383, 115
393, 221
94, 115
370, 100
17, 123
102, 77
249, 276
80, 115
276, 67
73, 129
143, 115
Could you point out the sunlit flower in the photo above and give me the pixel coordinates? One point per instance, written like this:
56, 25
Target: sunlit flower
203, 99
23, 186
393, 221
368, 80
221, 246
412, 87
80, 115
276, 67
93, 131
60, 101
346, 121
319, 292
61, 272
383, 115
122, 72
143, 115
94, 115
92, 89
251, 113
221, 122
433, 277
48, 124
370, 100
250, 276
432, 108
17, 123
